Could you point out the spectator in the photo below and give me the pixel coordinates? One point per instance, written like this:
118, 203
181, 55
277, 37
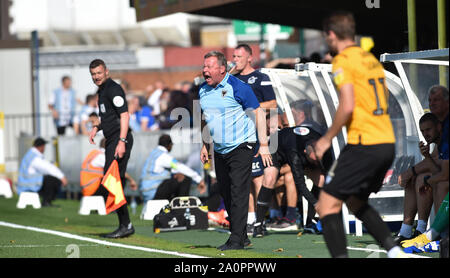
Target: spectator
153, 99
38, 175
81, 123
179, 98
184, 97
133, 109
141, 118
62, 104
94, 120
125, 86
146, 119
148, 91
164, 101
438, 103
163, 177
412, 178
91, 173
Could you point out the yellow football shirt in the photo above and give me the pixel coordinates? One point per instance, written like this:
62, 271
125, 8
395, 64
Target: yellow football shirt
370, 123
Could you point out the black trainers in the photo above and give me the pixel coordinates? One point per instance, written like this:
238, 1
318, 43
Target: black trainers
258, 230
285, 224
121, 232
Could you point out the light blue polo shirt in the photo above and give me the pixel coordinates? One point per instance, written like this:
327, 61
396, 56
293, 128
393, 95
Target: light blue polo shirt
228, 112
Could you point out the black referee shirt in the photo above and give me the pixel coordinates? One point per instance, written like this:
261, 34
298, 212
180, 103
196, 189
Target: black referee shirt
111, 103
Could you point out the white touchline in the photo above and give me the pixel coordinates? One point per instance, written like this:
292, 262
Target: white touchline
383, 251
97, 241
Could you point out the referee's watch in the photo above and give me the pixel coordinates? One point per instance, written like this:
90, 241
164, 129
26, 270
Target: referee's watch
123, 140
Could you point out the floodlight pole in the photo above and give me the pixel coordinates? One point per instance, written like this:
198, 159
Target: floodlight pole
412, 40
441, 38
35, 93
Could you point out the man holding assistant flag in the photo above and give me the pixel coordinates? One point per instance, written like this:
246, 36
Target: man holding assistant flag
119, 141
111, 181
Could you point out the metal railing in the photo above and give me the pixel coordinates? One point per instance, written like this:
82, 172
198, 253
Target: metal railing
18, 125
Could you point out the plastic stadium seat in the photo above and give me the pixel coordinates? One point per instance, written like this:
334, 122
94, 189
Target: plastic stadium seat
152, 208
29, 198
89, 203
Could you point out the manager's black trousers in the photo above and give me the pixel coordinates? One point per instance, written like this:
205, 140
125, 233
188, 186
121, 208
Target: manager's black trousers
110, 148
233, 171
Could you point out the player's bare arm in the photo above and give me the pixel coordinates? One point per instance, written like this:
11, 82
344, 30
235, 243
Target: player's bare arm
342, 116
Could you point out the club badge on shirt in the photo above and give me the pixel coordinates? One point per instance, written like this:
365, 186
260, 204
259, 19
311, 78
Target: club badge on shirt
252, 80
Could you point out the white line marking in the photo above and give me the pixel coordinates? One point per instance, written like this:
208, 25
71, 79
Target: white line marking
383, 251
102, 242
41, 245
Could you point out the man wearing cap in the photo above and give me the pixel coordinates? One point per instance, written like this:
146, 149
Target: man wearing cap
39, 175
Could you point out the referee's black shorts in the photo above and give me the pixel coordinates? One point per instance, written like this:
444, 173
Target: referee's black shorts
359, 171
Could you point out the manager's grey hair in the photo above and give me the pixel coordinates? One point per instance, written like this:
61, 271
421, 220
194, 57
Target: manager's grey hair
221, 60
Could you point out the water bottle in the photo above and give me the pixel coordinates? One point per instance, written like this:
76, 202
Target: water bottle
133, 205
187, 217
230, 66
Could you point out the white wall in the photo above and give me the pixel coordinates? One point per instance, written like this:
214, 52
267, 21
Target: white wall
150, 57
71, 15
50, 79
15, 81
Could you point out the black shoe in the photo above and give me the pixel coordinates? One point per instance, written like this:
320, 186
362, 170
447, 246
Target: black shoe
231, 246
223, 245
247, 243
258, 230
48, 204
121, 232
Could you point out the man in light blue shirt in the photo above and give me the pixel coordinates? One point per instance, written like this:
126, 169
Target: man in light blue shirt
231, 112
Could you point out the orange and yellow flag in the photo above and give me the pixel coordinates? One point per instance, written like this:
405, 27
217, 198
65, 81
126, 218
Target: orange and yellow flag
111, 181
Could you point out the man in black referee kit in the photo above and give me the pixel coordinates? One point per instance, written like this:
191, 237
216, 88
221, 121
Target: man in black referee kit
119, 141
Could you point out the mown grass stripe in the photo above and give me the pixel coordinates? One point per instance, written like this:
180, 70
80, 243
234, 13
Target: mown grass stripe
97, 241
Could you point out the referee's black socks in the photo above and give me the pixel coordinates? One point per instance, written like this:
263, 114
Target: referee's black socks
262, 203
123, 215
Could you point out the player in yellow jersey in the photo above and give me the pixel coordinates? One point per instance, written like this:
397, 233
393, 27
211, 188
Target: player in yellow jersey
370, 149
